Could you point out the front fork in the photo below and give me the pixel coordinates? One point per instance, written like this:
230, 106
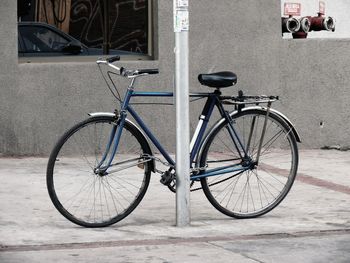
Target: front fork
112, 146
115, 136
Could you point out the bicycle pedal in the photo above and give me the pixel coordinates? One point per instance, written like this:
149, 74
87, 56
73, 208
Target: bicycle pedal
165, 181
166, 178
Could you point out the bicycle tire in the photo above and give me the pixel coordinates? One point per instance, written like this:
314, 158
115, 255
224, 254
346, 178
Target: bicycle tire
256, 191
89, 199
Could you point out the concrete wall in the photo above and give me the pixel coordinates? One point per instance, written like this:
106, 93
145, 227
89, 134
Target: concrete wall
39, 101
9, 80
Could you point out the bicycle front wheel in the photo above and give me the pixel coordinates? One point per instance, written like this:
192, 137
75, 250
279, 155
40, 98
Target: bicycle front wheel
92, 199
259, 189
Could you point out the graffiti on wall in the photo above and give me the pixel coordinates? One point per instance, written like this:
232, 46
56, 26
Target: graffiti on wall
128, 24
128, 21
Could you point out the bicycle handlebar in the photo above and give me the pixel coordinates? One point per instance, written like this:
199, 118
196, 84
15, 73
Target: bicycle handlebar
148, 71
124, 72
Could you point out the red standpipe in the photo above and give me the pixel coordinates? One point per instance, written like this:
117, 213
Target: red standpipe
290, 25
305, 25
320, 22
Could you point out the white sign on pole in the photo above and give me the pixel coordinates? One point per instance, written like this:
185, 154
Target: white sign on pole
182, 3
181, 16
181, 21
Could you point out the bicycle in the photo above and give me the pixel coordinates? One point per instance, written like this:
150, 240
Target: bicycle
99, 170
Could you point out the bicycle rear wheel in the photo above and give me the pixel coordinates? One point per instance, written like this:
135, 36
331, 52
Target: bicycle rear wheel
256, 191
90, 199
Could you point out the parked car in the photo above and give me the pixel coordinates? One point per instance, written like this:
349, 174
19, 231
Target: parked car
36, 39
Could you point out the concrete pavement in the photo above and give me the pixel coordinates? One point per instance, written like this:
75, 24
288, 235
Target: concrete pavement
311, 225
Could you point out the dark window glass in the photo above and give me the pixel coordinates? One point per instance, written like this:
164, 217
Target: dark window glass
40, 39
98, 26
127, 24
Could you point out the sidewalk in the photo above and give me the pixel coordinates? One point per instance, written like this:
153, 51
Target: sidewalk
311, 225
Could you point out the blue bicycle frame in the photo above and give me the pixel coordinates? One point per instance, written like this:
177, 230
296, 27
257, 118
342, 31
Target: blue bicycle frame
213, 99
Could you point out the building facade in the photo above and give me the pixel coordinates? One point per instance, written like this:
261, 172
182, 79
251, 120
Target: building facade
39, 101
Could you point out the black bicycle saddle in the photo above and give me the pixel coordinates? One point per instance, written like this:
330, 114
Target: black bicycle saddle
218, 80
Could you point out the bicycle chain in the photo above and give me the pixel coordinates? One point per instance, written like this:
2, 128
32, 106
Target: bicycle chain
195, 170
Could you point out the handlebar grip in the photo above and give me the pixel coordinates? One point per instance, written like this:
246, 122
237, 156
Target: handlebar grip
148, 71
113, 59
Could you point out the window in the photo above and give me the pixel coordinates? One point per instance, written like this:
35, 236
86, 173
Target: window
85, 27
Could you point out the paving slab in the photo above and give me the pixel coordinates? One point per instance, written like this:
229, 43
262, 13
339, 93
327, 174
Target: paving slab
312, 222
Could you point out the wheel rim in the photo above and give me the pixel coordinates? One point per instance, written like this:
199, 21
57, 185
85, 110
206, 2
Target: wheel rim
258, 190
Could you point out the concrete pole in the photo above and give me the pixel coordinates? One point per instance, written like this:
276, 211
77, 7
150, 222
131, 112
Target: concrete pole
182, 114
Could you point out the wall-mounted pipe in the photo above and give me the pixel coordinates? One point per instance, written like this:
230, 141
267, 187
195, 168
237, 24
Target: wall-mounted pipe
320, 22
305, 25
290, 25
299, 34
